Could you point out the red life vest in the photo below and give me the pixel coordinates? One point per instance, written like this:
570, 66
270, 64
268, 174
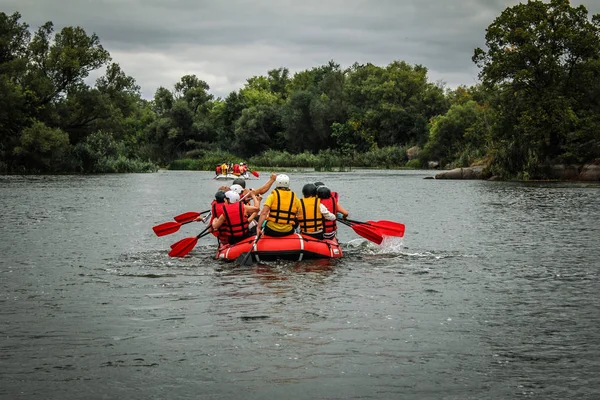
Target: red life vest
331, 204
216, 211
236, 169
236, 223
218, 170
335, 196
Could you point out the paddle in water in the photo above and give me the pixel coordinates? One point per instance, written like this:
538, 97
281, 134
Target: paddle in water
184, 246
246, 259
387, 228
368, 233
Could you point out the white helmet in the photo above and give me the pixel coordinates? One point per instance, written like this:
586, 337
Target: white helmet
282, 181
232, 196
236, 188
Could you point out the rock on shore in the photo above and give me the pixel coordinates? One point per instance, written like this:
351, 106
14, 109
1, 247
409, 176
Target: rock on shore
562, 172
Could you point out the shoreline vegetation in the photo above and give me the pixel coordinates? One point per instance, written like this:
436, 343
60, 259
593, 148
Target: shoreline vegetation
536, 108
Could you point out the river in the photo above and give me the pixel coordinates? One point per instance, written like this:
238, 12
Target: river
492, 293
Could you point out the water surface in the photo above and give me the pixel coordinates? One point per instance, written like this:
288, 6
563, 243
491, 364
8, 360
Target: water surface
492, 294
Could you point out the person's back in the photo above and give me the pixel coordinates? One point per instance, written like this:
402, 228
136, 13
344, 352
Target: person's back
280, 210
313, 213
233, 224
330, 227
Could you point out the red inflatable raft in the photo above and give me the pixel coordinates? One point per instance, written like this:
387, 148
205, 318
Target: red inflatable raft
295, 247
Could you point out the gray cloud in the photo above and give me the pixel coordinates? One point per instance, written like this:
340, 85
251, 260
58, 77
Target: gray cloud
225, 42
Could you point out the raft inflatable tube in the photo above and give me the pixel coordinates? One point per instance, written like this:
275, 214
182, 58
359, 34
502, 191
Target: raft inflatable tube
294, 247
223, 177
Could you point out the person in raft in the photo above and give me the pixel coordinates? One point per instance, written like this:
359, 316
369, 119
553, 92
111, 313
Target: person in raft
335, 195
280, 211
330, 227
233, 224
224, 168
218, 169
259, 192
314, 213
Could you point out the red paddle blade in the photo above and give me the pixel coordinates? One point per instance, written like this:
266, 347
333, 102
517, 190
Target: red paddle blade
256, 174
166, 228
389, 228
368, 233
177, 243
183, 247
188, 216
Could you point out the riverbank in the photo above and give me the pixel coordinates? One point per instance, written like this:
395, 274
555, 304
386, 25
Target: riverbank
560, 172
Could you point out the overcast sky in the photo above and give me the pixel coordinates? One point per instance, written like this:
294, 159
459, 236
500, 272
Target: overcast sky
224, 42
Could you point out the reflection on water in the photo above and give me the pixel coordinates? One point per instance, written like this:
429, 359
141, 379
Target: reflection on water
492, 293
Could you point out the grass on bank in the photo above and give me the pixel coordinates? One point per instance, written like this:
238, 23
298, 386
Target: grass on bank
326, 160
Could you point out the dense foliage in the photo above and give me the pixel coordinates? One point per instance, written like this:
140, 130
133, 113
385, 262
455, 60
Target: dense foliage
543, 68
538, 104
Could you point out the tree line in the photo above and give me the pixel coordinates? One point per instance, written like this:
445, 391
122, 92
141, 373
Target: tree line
537, 104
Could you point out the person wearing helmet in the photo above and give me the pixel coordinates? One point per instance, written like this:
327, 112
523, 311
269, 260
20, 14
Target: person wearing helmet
236, 188
281, 209
258, 192
330, 227
233, 224
216, 209
239, 181
335, 195
313, 213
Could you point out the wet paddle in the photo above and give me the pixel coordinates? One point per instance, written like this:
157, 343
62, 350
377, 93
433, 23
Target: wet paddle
387, 228
189, 216
368, 233
256, 174
246, 257
168, 228
184, 246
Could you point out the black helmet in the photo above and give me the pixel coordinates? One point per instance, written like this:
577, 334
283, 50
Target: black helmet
309, 190
323, 192
240, 181
317, 184
220, 196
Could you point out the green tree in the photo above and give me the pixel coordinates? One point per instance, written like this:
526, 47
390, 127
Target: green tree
316, 101
543, 58
43, 149
393, 104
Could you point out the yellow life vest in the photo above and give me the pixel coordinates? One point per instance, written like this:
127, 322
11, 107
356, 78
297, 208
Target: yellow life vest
281, 210
313, 219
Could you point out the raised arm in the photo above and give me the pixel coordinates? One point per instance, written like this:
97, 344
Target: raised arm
265, 188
